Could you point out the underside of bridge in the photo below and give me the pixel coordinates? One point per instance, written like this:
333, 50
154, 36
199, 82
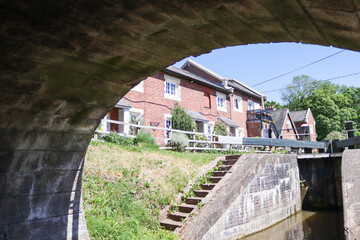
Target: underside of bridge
64, 64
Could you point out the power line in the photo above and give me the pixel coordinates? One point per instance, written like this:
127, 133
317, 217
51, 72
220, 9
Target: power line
322, 59
348, 75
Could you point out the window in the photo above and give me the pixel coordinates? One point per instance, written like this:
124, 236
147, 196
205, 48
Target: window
241, 132
311, 129
139, 87
172, 88
221, 101
288, 125
256, 105
238, 104
168, 124
250, 105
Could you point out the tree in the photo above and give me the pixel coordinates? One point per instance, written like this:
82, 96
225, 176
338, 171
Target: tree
331, 104
220, 129
181, 120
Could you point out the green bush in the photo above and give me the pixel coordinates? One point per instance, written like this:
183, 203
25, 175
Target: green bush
179, 141
220, 129
201, 138
181, 120
336, 135
113, 137
145, 138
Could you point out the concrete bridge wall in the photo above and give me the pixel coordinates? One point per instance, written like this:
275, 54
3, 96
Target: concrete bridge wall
260, 191
64, 64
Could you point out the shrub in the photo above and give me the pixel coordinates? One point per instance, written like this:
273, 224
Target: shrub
220, 129
145, 138
201, 138
336, 135
113, 137
179, 141
181, 120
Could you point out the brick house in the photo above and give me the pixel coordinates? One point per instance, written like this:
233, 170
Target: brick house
207, 97
305, 124
284, 124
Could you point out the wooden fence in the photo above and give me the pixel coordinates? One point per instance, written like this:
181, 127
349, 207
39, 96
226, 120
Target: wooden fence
216, 142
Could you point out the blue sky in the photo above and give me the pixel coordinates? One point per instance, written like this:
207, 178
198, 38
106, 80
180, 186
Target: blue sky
255, 63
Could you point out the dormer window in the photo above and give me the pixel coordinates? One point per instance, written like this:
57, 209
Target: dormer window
172, 88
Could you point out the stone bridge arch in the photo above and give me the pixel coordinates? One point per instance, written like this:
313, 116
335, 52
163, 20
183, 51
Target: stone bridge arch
64, 64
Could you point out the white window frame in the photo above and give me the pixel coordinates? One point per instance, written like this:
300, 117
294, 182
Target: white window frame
167, 117
139, 87
240, 107
176, 82
210, 125
311, 129
241, 132
288, 125
222, 96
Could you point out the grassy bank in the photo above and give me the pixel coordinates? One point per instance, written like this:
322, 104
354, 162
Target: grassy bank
125, 187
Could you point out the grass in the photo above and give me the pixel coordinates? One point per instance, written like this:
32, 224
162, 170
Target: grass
125, 188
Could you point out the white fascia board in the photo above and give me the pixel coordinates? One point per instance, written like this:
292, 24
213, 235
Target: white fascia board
250, 88
198, 65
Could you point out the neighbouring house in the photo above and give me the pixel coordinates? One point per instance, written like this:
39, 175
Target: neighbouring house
207, 97
305, 124
284, 123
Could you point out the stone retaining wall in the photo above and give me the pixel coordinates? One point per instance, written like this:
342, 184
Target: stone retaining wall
261, 191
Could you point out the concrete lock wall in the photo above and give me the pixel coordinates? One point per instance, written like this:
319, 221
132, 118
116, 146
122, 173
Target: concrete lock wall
351, 193
260, 191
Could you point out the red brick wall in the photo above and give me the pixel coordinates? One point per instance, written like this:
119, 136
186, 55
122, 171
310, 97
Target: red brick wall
311, 122
288, 133
254, 129
241, 117
155, 105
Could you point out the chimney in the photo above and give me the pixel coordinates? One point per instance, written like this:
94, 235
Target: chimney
271, 107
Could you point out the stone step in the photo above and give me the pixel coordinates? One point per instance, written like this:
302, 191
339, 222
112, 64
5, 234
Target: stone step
193, 200
215, 179
207, 186
224, 167
186, 208
201, 193
233, 157
178, 216
229, 162
170, 224
219, 173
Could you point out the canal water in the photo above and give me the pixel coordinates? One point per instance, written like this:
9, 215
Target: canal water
305, 225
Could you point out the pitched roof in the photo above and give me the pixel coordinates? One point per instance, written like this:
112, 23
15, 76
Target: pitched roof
299, 116
228, 122
192, 77
123, 104
243, 88
197, 116
279, 116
